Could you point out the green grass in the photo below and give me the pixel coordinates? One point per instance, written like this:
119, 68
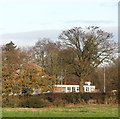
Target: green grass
78, 111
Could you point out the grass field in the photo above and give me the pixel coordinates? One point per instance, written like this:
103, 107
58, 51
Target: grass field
77, 111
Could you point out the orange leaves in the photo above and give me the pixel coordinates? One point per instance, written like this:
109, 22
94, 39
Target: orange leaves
19, 74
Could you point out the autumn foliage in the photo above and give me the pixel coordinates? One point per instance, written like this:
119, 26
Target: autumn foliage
20, 76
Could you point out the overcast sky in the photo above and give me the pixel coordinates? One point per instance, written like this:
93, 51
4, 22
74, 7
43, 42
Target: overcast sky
25, 21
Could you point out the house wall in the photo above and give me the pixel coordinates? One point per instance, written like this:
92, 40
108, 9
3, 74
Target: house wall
90, 88
65, 88
59, 89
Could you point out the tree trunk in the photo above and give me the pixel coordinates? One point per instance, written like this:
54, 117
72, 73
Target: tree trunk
81, 83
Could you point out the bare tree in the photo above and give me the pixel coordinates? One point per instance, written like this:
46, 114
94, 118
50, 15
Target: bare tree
92, 46
45, 55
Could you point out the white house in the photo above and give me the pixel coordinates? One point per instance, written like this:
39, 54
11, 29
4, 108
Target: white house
74, 88
88, 87
66, 88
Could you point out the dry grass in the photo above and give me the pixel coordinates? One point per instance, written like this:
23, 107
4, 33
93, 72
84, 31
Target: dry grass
76, 110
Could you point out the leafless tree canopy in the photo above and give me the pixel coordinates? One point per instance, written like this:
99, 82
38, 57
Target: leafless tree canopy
92, 46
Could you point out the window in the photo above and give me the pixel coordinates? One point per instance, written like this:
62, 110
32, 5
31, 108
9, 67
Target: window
87, 89
92, 89
77, 88
69, 88
73, 89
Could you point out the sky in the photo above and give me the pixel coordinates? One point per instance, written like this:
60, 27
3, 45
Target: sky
26, 21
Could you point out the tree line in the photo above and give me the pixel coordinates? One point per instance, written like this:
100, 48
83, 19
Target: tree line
73, 59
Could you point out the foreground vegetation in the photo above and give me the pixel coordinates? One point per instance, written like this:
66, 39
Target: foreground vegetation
74, 111
58, 100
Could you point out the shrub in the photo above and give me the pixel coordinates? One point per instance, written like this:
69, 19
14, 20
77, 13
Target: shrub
58, 99
92, 101
59, 102
69, 97
11, 101
35, 102
86, 97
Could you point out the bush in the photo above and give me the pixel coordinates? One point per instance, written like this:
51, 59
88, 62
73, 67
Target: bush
34, 102
11, 101
92, 101
49, 97
86, 97
59, 102
59, 99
